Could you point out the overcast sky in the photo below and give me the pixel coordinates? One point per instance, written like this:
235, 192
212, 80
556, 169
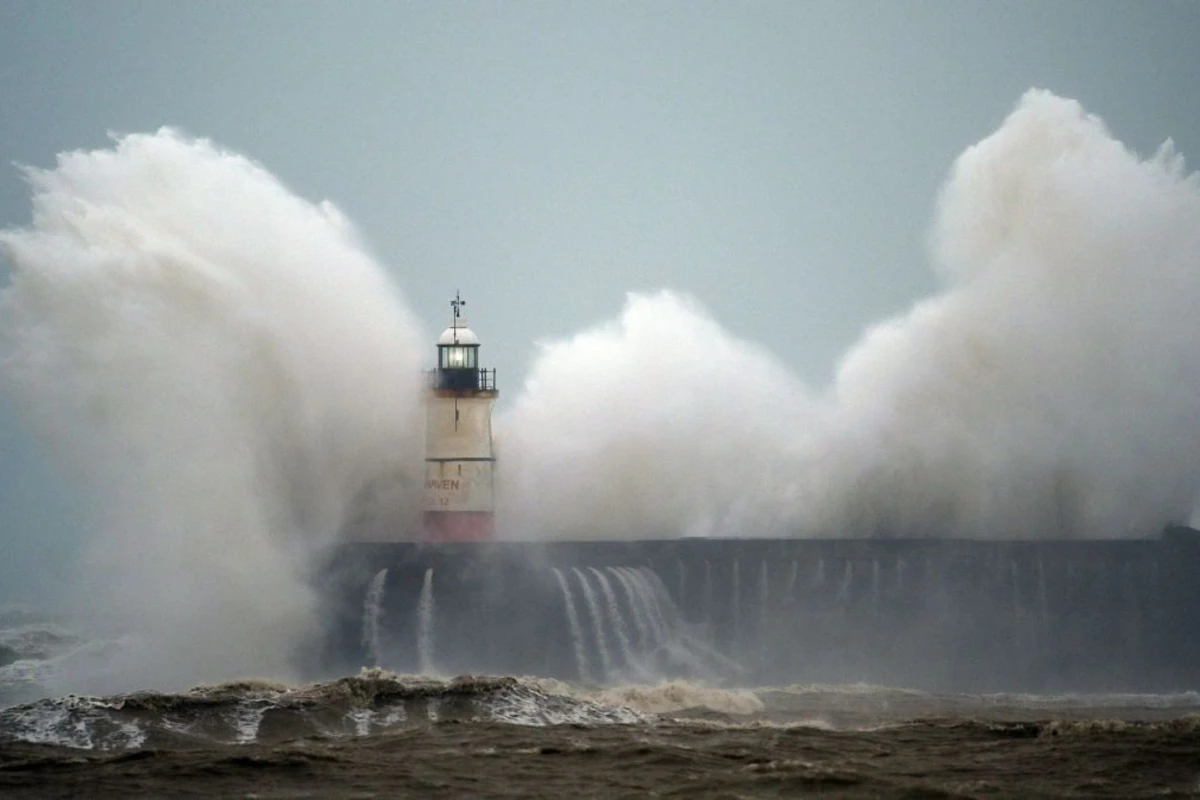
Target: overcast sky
778, 161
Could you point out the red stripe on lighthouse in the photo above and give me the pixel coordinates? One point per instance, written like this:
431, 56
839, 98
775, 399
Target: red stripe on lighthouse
459, 526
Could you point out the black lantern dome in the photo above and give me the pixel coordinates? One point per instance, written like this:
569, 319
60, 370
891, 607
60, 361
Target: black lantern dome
458, 356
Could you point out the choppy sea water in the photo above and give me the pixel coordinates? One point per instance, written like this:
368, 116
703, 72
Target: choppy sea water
380, 734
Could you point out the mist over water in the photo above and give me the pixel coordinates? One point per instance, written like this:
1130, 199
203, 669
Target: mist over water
1052, 389
231, 381
225, 373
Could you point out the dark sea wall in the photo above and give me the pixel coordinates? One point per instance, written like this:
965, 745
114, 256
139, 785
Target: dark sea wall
932, 613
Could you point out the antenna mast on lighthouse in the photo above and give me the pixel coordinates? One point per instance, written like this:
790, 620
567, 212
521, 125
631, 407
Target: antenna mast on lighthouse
459, 460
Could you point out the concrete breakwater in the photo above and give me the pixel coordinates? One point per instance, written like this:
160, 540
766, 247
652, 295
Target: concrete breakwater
937, 614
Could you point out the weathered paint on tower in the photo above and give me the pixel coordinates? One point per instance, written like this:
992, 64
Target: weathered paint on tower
459, 461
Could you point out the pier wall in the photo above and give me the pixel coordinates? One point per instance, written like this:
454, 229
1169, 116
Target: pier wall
934, 614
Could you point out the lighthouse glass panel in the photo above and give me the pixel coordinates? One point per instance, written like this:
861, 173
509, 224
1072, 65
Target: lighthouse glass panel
458, 357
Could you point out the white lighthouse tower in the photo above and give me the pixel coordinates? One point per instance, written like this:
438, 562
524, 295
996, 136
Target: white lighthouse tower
459, 462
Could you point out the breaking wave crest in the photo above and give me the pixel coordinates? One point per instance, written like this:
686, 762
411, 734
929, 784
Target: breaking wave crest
661, 698
263, 712
376, 701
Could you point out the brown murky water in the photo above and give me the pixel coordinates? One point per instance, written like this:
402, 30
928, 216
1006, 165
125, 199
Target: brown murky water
382, 735
667, 759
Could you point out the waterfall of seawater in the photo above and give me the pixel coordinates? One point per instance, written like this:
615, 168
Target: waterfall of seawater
597, 617
623, 623
372, 614
426, 617
614, 613
643, 583
677, 645
577, 641
636, 610
670, 609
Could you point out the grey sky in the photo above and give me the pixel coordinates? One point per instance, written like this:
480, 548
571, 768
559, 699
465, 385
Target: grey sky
779, 161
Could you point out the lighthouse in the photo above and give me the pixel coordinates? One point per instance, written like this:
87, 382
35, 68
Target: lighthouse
459, 462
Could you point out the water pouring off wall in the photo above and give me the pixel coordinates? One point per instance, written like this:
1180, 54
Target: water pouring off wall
426, 622
372, 610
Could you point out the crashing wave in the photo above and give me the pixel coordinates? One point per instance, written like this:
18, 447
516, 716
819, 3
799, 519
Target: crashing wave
33, 650
31, 633
664, 697
262, 712
38, 660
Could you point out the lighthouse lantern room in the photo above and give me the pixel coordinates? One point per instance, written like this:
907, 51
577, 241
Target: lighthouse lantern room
459, 461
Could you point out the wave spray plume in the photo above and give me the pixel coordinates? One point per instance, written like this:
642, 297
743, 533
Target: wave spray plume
1052, 388
225, 372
